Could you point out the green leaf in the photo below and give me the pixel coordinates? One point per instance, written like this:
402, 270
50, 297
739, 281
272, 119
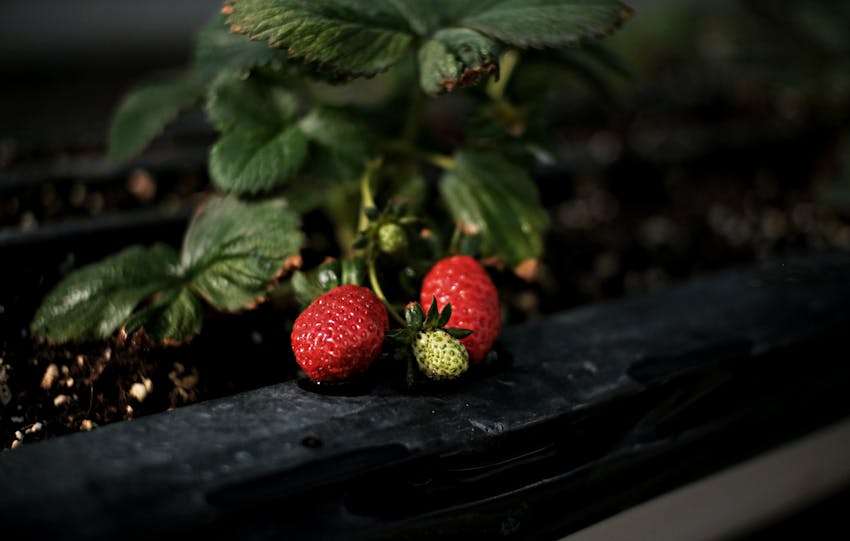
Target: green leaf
456, 57
358, 38
346, 36
339, 133
173, 319
311, 284
305, 288
340, 144
539, 23
261, 147
233, 250
253, 161
92, 302
458, 334
490, 196
433, 314
264, 144
352, 271
218, 50
234, 102
145, 112
445, 316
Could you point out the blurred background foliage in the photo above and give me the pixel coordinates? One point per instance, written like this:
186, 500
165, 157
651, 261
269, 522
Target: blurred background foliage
702, 135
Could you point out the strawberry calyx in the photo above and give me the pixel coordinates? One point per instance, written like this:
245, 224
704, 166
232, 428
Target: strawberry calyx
418, 323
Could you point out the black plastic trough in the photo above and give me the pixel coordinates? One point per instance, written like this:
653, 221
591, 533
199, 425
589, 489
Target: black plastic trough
603, 407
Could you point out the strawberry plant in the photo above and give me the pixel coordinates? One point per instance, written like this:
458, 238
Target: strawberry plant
399, 198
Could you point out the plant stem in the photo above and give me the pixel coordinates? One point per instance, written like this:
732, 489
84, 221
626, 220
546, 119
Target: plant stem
376, 287
507, 64
509, 114
443, 161
366, 198
440, 160
454, 244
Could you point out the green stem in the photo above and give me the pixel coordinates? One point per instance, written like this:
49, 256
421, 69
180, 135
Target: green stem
507, 64
440, 160
366, 198
443, 161
454, 244
376, 287
509, 114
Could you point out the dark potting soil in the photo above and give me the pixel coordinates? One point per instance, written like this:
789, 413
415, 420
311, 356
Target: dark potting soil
54, 390
36, 204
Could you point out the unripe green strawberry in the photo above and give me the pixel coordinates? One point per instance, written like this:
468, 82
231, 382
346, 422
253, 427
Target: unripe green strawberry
391, 238
440, 356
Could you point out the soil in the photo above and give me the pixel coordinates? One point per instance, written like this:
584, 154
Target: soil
37, 204
58, 390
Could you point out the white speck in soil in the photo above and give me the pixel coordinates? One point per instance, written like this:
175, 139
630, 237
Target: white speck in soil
2, 309
590, 367
50, 375
28, 222
256, 338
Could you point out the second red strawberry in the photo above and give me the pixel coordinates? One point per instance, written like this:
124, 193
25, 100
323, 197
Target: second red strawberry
463, 282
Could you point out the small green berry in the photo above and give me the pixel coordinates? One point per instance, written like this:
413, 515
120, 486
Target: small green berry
440, 356
392, 238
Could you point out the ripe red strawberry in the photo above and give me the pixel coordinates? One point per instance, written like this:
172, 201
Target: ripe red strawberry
463, 282
340, 333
